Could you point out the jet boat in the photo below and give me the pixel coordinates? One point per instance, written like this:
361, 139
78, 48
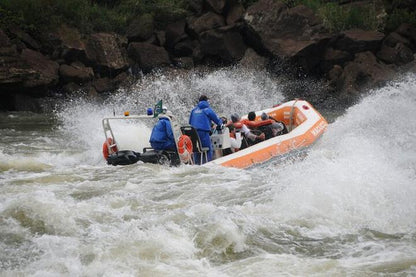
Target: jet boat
304, 126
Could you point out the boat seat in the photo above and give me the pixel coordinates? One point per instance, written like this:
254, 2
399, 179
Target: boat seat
196, 142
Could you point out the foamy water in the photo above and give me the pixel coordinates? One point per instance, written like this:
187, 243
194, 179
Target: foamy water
344, 207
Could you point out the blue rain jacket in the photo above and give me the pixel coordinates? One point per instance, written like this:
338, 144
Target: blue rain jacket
162, 136
201, 117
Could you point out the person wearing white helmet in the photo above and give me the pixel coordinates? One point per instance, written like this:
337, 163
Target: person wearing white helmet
162, 135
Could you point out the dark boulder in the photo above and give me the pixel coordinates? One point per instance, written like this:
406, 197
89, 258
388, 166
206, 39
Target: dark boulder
225, 43
76, 72
409, 32
207, 21
216, 5
334, 75
105, 53
141, 28
290, 36
355, 41
24, 37
4, 39
29, 69
398, 55
175, 32
73, 88
334, 57
71, 47
235, 13
283, 31
394, 38
196, 6
45, 71
103, 85
252, 60
13, 70
122, 79
404, 4
148, 56
184, 48
309, 55
160, 38
197, 54
363, 72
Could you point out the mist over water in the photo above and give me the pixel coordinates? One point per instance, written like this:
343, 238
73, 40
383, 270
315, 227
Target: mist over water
345, 206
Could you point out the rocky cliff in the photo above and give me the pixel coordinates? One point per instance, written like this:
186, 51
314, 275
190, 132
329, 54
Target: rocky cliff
290, 41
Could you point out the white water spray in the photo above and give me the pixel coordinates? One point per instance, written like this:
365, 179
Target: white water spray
344, 207
230, 91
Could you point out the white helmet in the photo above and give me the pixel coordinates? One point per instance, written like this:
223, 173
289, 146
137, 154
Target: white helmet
169, 113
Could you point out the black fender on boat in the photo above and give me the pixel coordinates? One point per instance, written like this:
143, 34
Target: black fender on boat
126, 157
160, 157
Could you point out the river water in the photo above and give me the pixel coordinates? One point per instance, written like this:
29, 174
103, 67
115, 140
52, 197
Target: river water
345, 207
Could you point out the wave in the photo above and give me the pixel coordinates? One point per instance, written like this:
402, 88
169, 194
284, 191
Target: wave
361, 174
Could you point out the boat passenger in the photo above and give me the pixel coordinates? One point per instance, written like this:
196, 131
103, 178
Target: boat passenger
235, 140
221, 152
162, 135
251, 136
258, 131
224, 120
251, 116
277, 127
201, 117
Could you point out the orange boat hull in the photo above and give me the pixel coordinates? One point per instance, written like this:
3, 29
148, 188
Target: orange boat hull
305, 125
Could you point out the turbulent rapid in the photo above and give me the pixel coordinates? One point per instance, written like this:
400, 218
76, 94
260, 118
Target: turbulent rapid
344, 207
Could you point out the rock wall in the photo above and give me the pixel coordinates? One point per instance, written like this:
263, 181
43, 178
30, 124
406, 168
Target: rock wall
218, 33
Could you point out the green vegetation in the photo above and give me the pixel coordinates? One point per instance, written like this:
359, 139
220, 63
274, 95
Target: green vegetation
115, 15
86, 15
339, 17
399, 16
40, 15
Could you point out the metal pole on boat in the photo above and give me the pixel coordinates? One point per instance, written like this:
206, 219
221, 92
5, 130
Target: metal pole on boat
291, 115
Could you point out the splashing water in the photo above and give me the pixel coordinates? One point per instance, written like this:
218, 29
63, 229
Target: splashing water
344, 207
229, 91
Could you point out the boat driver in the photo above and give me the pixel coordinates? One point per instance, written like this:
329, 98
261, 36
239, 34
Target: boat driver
200, 118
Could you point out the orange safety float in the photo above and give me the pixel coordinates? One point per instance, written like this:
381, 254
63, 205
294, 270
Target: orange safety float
185, 148
106, 151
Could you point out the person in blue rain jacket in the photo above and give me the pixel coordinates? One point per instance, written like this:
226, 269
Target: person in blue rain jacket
162, 135
201, 117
